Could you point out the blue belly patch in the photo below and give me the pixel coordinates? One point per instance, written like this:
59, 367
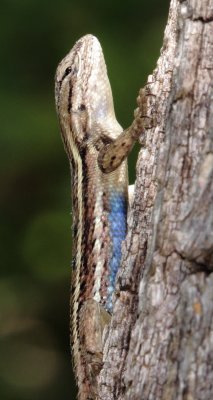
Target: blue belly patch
117, 226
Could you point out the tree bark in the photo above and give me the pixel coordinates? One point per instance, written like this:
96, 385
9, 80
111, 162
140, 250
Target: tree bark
160, 341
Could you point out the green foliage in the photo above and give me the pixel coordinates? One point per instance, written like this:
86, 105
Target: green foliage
35, 235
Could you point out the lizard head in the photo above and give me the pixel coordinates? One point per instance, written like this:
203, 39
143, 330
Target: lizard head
83, 94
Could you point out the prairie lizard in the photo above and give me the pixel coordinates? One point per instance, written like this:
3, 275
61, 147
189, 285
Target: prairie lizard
97, 147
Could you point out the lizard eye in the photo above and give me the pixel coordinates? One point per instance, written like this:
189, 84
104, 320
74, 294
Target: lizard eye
67, 71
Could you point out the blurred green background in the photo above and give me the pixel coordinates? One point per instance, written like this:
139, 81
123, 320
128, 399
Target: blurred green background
35, 180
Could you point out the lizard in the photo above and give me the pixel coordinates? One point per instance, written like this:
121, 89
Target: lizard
97, 148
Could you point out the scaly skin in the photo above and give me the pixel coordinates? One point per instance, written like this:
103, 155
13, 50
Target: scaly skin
96, 149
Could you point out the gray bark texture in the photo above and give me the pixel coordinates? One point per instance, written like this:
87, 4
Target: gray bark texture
159, 345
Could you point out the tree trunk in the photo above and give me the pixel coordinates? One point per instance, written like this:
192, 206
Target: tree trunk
160, 341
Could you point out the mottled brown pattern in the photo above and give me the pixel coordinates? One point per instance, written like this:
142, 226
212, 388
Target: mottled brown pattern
88, 124
86, 114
